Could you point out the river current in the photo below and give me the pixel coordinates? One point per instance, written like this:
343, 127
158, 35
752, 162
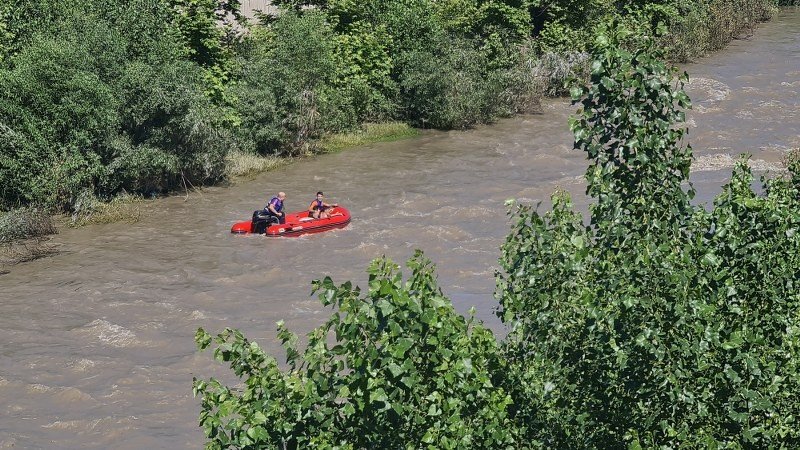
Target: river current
97, 341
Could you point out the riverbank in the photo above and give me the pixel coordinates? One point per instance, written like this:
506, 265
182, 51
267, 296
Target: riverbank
24, 231
23, 235
247, 165
547, 73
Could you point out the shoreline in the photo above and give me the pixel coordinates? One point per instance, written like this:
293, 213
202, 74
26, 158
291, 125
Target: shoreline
20, 242
240, 166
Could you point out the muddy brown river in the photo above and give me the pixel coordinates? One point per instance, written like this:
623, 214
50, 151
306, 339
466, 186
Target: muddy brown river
97, 348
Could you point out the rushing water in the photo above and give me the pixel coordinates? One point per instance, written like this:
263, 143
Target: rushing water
97, 348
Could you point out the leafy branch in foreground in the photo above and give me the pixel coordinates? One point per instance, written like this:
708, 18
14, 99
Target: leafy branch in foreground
659, 325
395, 367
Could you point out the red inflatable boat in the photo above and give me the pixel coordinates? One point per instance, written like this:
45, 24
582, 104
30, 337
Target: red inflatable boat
298, 223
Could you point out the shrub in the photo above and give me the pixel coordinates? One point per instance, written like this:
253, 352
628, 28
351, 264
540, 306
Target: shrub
99, 96
57, 114
90, 210
392, 368
523, 83
23, 164
261, 129
23, 234
24, 223
568, 25
286, 95
446, 87
659, 325
557, 70
364, 70
143, 169
208, 28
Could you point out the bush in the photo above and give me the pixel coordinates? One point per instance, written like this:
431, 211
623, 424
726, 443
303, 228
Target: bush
364, 70
563, 26
395, 367
557, 70
89, 104
523, 84
287, 97
90, 210
25, 223
446, 86
142, 169
659, 325
727, 19
23, 164
46, 94
23, 234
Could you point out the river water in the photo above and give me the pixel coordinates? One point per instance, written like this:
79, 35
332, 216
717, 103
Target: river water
97, 348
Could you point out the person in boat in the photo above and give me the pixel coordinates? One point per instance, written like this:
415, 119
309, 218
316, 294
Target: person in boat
318, 209
275, 208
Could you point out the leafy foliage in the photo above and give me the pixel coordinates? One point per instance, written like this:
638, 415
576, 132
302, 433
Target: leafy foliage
24, 223
364, 70
145, 96
446, 87
395, 367
626, 126
208, 28
659, 325
655, 324
49, 90
287, 94
100, 96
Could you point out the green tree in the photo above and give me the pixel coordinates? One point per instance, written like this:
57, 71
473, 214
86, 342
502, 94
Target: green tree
45, 95
659, 324
446, 86
394, 367
568, 25
210, 29
365, 68
497, 24
101, 97
287, 89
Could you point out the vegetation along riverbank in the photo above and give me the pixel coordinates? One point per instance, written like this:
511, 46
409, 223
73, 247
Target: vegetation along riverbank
137, 98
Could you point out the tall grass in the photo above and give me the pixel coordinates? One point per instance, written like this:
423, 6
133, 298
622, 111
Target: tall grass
25, 223
23, 235
557, 69
91, 211
368, 133
241, 164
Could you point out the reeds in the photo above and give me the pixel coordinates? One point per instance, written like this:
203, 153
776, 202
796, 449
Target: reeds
367, 134
24, 234
91, 211
241, 164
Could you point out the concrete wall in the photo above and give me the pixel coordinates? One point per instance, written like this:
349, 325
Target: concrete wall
250, 6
